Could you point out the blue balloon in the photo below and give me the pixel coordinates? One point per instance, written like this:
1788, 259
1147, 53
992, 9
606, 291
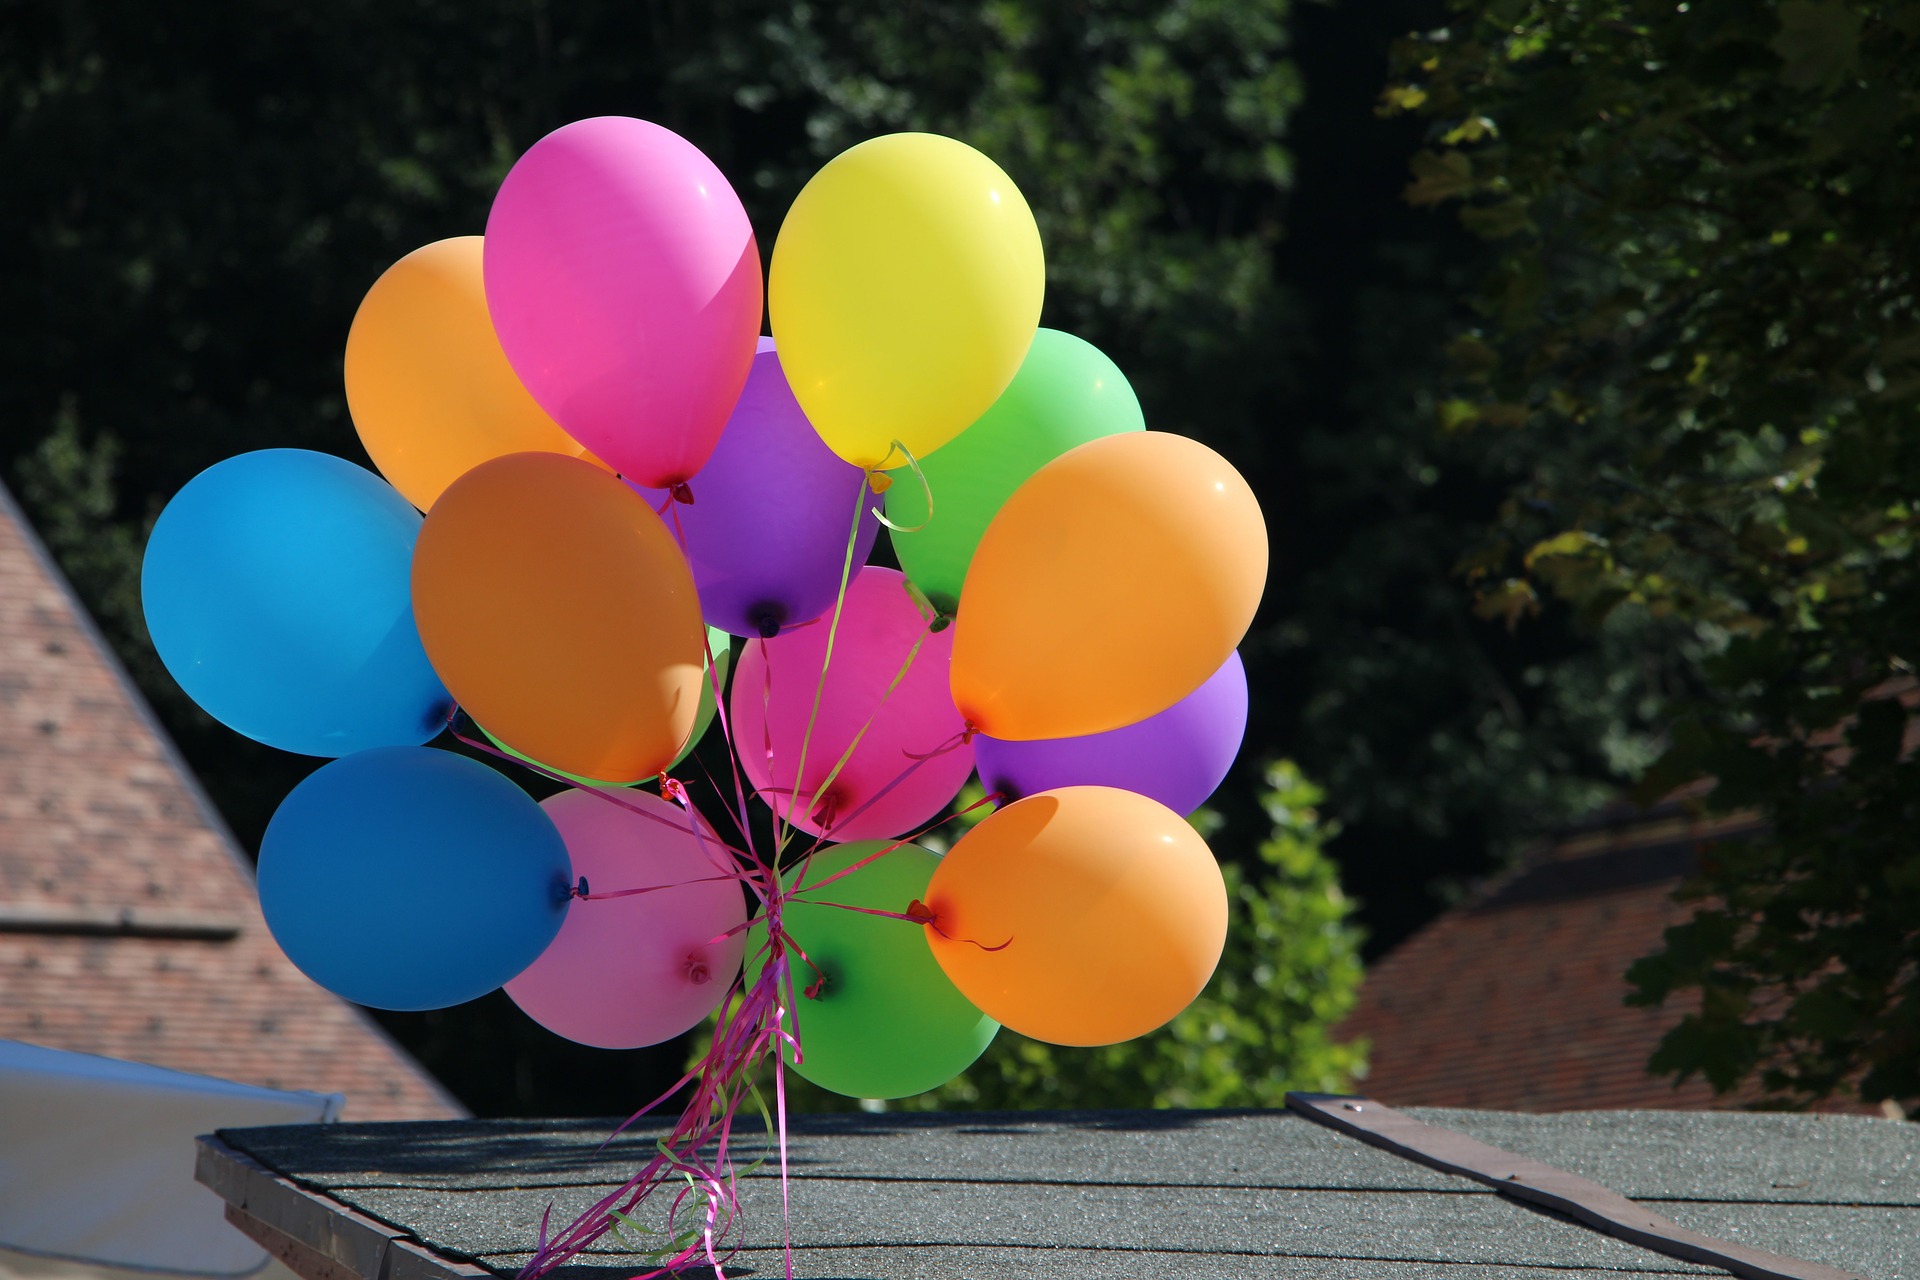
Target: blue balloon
277, 586
410, 878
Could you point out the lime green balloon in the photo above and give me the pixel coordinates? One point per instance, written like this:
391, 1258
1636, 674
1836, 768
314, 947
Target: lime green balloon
888, 1023
1066, 393
721, 644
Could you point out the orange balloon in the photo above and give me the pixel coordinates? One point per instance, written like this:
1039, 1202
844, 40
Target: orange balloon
1110, 586
428, 386
560, 613
1110, 906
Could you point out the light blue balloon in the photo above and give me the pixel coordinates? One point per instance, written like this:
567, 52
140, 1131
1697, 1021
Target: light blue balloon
277, 587
410, 878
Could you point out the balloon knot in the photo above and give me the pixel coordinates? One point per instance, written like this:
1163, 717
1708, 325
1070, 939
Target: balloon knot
920, 913
967, 731
815, 989
767, 619
941, 621
675, 790
826, 808
697, 972
682, 493
580, 890
879, 481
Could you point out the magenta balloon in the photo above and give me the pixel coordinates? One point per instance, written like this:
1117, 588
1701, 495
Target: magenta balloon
631, 971
882, 791
767, 530
623, 280
1176, 757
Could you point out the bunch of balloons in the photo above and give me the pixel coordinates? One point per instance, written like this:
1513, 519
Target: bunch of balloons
619, 475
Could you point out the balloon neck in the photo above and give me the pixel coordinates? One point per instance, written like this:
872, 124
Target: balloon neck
697, 971
825, 810
967, 731
767, 619
941, 621
879, 481
920, 913
579, 890
682, 493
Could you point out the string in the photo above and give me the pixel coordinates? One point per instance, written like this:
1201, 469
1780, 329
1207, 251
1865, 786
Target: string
755, 1018
720, 715
913, 464
833, 774
783, 828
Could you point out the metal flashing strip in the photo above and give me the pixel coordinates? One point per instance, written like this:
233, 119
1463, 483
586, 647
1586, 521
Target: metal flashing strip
1542, 1184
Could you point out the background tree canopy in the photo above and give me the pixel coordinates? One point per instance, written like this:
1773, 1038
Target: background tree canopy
1698, 325
195, 207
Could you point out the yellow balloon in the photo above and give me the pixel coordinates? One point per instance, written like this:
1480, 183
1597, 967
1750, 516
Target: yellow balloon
428, 386
905, 291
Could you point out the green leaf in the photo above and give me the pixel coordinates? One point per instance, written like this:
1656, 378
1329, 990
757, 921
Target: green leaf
1496, 221
1439, 176
1396, 99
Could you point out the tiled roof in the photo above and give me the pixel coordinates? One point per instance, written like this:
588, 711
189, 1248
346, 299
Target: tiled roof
1514, 1000
129, 925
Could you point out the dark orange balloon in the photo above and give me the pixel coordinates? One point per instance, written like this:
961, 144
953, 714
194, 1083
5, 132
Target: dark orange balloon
559, 612
1111, 585
1110, 907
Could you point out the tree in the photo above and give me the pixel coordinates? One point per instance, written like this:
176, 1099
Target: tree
195, 210
1446, 742
1698, 330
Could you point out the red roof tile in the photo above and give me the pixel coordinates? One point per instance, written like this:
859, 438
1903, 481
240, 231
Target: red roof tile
1514, 1000
100, 819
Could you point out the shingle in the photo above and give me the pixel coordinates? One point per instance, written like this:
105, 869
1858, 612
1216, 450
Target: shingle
1516, 1000
1115, 1194
1878, 1242
1197, 1148
977, 1263
1732, 1156
1479, 1230
1113, 1186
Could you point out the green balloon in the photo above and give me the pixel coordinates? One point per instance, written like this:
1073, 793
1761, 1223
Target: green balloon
887, 1022
720, 642
1066, 393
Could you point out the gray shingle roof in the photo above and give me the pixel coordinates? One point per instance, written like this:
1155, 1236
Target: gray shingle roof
1151, 1194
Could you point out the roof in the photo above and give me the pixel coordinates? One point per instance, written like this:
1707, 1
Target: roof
129, 923
1097, 1195
1514, 1000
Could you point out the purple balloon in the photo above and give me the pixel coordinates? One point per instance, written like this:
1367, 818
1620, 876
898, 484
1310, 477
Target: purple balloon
1176, 757
766, 532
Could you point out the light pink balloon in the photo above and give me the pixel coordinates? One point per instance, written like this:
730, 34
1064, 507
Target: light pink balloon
631, 971
773, 689
624, 282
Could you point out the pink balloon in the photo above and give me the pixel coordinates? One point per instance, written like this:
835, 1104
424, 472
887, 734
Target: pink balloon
624, 282
631, 971
883, 790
